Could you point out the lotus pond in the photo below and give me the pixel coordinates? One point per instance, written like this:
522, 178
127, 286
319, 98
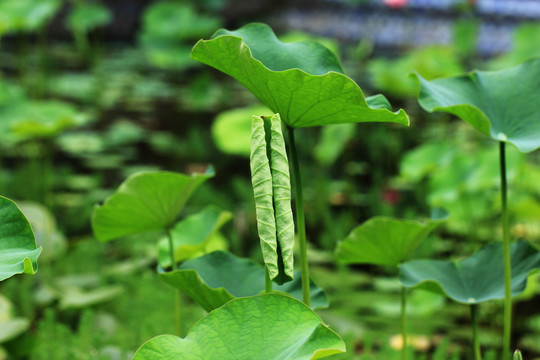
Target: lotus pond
204, 185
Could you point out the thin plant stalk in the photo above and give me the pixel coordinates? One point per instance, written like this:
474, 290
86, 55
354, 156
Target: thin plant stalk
177, 295
507, 332
300, 218
476, 341
404, 322
267, 281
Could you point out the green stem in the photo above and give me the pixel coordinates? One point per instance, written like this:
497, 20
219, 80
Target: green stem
177, 295
507, 333
404, 322
300, 218
476, 342
171, 249
267, 281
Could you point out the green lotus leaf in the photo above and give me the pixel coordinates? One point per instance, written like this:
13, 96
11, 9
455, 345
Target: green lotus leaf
477, 278
26, 15
390, 75
302, 81
333, 141
213, 279
10, 329
270, 179
86, 16
18, 252
38, 119
501, 104
262, 327
147, 201
231, 129
175, 20
386, 241
192, 235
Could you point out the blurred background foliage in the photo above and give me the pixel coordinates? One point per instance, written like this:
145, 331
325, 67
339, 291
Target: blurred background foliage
93, 91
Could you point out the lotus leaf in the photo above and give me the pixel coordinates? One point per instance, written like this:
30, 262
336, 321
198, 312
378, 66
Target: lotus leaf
262, 327
386, 241
501, 104
302, 81
18, 253
477, 278
147, 201
213, 279
193, 235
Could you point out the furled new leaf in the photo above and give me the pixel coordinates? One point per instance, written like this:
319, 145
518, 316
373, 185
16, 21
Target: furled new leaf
144, 202
18, 253
475, 279
272, 190
501, 104
302, 81
213, 279
386, 241
262, 327
192, 235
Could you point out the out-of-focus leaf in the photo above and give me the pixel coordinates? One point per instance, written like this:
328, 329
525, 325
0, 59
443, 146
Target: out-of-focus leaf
88, 15
232, 129
144, 202
18, 253
476, 279
193, 235
386, 241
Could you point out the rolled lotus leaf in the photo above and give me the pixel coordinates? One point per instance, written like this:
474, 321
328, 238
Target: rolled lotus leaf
272, 190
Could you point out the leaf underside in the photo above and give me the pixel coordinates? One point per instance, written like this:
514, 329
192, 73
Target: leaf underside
476, 279
501, 104
272, 191
302, 81
262, 327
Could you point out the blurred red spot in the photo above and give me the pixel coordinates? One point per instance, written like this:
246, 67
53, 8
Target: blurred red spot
390, 196
396, 4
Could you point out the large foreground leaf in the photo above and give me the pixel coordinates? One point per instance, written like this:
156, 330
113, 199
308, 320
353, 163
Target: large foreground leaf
263, 327
302, 81
144, 202
386, 241
18, 253
212, 280
501, 104
476, 279
272, 191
